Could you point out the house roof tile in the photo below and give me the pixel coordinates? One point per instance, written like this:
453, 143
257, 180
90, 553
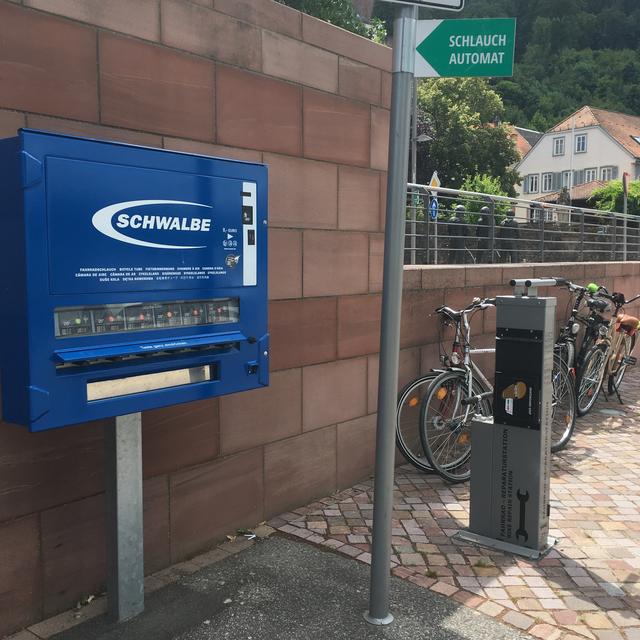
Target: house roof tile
581, 192
624, 128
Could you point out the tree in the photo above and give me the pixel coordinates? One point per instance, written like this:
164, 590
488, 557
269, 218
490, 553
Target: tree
482, 184
568, 53
460, 118
611, 196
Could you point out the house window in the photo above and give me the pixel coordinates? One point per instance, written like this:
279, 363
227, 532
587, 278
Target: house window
566, 179
535, 213
590, 174
581, 143
547, 182
606, 173
533, 183
558, 146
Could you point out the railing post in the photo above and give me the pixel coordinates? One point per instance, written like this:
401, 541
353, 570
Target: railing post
413, 227
624, 239
614, 240
435, 241
492, 232
582, 236
427, 221
541, 234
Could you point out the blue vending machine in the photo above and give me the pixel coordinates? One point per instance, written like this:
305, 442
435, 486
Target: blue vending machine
130, 278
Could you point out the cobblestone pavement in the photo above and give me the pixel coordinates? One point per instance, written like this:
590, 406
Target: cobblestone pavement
587, 587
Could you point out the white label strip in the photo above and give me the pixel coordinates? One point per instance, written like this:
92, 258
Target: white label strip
249, 235
104, 389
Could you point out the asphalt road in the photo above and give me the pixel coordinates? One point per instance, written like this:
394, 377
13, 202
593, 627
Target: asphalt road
287, 590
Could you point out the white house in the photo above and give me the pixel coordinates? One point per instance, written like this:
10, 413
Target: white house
584, 151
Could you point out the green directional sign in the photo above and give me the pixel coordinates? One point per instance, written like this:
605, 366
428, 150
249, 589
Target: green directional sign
465, 48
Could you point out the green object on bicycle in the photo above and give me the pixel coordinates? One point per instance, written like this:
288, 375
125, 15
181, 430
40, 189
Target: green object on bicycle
592, 287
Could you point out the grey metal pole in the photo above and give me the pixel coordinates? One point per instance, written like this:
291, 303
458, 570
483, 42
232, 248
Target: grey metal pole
125, 558
403, 66
414, 166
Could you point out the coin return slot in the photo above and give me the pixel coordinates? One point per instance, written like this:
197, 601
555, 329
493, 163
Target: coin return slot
105, 389
84, 361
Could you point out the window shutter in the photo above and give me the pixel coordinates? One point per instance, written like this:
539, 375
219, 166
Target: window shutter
556, 183
525, 185
614, 173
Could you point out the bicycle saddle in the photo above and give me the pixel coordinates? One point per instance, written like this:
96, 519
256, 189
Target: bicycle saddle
450, 313
628, 323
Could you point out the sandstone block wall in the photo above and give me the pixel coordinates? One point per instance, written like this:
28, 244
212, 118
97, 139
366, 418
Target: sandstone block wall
254, 80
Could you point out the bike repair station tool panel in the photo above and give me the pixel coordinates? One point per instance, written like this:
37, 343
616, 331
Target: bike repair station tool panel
510, 456
130, 278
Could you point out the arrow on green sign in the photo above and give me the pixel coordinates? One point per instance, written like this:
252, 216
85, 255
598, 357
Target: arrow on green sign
465, 48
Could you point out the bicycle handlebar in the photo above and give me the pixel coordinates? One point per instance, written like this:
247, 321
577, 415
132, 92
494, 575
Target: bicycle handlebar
617, 298
477, 304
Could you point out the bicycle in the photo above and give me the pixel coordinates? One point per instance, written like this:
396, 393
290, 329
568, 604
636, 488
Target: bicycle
565, 357
408, 418
410, 402
455, 396
459, 393
607, 350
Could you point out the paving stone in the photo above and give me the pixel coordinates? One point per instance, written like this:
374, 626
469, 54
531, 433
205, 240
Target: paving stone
624, 619
587, 587
545, 631
518, 620
609, 635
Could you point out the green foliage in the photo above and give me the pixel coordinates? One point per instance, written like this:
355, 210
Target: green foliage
377, 31
568, 53
338, 12
482, 183
458, 116
611, 196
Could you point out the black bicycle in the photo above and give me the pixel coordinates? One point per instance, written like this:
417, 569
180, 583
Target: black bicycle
564, 352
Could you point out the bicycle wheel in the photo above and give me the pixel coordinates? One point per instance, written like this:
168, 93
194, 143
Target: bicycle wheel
619, 367
408, 421
563, 415
445, 424
590, 378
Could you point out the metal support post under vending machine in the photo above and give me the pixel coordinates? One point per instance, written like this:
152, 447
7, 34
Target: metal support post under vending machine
123, 480
510, 456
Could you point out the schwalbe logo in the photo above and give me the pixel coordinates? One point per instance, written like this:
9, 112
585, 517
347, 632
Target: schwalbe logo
102, 220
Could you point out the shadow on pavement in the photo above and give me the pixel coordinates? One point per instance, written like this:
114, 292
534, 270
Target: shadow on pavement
287, 590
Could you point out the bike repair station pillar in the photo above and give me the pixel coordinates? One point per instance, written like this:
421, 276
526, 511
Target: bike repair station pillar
510, 456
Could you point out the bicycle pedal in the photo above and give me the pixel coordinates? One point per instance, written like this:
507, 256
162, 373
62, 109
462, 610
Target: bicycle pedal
629, 360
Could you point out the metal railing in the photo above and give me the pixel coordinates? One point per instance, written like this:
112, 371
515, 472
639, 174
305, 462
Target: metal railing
448, 226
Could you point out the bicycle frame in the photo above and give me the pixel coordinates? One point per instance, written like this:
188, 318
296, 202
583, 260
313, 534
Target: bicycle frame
469, 366
615, 337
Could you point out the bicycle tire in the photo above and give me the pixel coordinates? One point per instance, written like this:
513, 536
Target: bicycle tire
615, 378
590, 378
457, 437
408, 421
564, 402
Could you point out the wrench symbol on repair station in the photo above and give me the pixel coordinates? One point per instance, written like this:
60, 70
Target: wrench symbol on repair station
521, 533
